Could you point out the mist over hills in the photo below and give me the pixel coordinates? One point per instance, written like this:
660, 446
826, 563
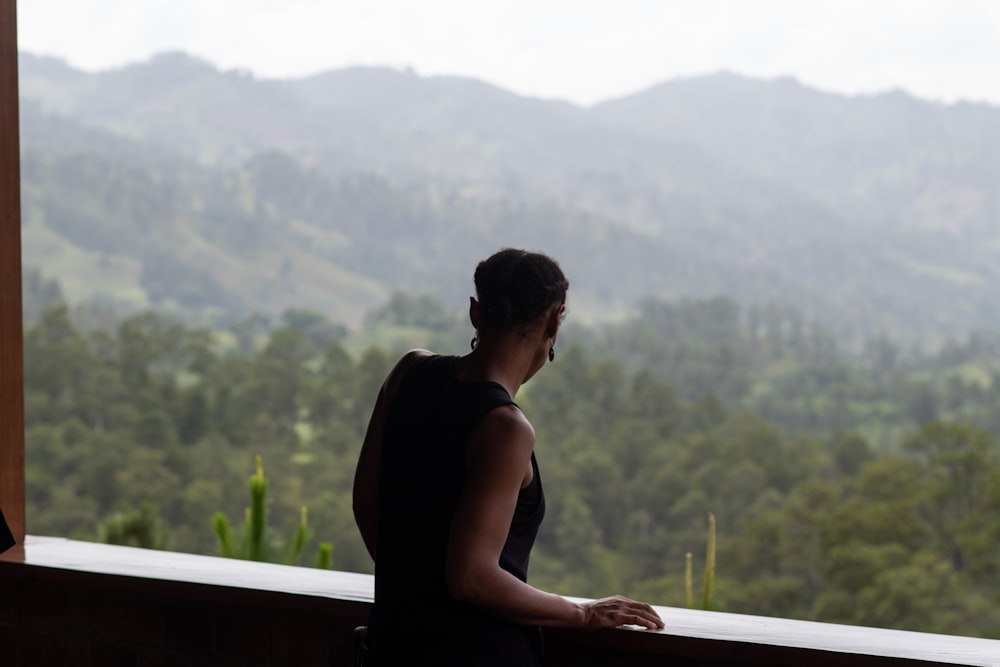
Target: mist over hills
171, 183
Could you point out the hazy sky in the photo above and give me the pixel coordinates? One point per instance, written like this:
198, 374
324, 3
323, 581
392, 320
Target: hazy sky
579, 50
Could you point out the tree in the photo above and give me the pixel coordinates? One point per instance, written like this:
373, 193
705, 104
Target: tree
140, 527
958, 464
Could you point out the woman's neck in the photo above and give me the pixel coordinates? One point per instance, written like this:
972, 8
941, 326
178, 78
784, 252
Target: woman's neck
507, 359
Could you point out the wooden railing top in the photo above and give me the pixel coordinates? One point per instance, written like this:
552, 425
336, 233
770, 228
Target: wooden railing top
191, 568
681, 624
947, 649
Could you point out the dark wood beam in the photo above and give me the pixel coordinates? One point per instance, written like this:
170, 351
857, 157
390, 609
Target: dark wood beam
151, 604
11, 333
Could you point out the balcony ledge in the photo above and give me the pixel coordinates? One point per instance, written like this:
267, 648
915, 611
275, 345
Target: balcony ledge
695, 637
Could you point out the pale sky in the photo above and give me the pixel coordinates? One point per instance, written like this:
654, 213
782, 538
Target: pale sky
583, 51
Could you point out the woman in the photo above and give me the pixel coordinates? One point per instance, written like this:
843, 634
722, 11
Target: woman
447, 492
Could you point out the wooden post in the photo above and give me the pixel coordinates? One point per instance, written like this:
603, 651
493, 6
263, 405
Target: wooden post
11, 332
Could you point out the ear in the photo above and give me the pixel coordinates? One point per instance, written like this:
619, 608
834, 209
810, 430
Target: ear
474, 312
555, 317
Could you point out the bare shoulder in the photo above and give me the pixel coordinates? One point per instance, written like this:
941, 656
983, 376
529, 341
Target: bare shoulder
504, 429
510, 420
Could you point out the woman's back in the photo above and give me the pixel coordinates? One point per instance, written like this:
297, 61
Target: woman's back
423, 475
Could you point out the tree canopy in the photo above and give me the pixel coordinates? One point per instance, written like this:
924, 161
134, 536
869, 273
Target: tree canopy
835, 499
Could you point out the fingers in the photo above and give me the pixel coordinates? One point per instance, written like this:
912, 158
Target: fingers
644, 615
616, 611
649, 619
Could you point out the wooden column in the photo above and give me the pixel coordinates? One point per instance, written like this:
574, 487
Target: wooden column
11, 333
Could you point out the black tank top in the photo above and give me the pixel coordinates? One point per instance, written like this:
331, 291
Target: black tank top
422, 476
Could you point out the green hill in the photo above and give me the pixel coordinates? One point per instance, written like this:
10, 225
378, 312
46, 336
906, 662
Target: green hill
174, 184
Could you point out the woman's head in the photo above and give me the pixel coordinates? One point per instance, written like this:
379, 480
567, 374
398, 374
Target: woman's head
516, 287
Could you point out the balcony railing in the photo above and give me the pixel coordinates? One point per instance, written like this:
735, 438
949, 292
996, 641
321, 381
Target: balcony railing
78, 603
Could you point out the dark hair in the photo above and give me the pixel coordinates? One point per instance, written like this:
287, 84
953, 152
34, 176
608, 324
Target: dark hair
515, 287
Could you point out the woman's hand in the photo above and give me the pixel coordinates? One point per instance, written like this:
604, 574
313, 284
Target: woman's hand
617, 610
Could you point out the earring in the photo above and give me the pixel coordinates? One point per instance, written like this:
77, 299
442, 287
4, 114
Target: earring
552, 353
474, 342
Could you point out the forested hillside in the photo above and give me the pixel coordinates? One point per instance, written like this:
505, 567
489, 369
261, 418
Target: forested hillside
782, 312
872, 214
815, 518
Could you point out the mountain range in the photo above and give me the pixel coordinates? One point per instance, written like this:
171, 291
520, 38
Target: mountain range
173, 184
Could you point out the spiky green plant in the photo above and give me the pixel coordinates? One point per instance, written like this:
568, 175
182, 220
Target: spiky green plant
254, 544
257, 546
708, 582
324, 559
688, 586
140, 527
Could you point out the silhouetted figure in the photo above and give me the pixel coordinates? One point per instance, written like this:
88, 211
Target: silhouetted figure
448, 494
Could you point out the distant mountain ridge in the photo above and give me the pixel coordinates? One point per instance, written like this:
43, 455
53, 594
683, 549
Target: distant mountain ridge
871, 213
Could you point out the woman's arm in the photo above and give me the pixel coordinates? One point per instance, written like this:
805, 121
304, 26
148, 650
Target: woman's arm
500, 455
365, 494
